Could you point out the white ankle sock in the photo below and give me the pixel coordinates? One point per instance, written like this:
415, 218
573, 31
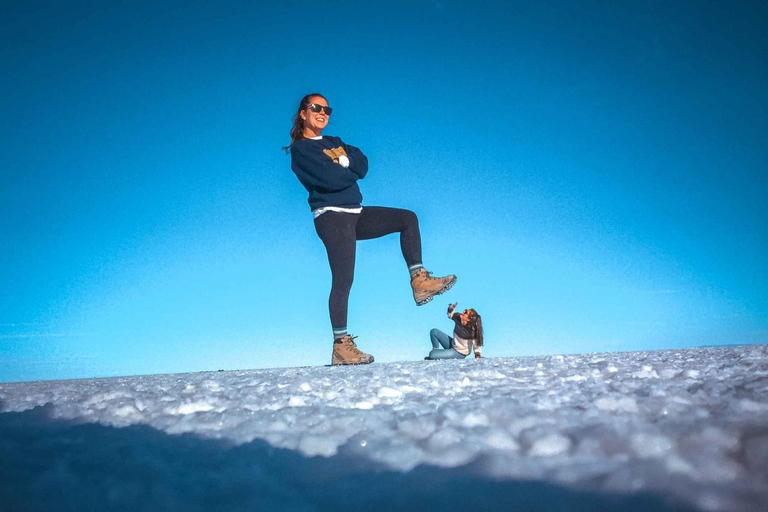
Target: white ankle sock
415, 268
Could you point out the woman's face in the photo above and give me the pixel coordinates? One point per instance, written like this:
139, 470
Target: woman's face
467, 316
315, 122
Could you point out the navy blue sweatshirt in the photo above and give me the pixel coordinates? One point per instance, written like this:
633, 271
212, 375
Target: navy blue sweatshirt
316, 164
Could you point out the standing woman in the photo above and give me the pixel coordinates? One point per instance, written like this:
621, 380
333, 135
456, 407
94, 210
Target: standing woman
329, 169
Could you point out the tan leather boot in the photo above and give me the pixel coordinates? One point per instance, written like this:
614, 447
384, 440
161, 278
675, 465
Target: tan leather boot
426, 287
346, 352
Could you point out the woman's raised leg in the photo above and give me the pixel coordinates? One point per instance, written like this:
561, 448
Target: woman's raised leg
378, 221
440, 339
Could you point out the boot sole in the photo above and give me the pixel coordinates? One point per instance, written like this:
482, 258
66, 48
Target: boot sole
438, 292
344, 362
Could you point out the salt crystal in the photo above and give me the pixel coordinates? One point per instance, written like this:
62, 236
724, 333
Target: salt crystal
192, 408
126, 410
668, 373
311, 445
552, 444
386, 392
649, 445
296, 401
676, 464
625, 404
474, 419
497, 439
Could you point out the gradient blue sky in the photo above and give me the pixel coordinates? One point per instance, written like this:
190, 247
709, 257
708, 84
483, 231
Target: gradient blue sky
594, 172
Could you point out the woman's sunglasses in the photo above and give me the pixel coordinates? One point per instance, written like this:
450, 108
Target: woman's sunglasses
314, 107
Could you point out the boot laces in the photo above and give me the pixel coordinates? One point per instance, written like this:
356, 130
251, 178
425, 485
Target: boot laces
348, 340
426, 274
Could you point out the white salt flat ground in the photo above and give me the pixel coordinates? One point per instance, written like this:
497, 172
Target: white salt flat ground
662, 430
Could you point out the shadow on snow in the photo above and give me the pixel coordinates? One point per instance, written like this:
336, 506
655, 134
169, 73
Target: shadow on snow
57, 465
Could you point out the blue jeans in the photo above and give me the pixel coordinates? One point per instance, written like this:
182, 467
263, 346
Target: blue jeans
440, 339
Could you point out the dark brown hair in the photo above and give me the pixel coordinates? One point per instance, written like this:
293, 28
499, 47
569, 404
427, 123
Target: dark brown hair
297, 131
477, 323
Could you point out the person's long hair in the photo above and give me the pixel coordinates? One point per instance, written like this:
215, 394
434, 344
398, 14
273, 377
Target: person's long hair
297, 131
477, 323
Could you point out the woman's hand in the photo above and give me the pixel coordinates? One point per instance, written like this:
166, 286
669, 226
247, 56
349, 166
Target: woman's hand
451, 307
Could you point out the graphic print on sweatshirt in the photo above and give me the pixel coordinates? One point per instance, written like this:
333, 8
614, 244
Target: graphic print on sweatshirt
335, 153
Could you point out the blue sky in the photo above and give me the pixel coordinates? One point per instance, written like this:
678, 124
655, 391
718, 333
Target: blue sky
594, 173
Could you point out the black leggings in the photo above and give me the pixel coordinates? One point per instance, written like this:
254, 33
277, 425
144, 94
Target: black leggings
340, 231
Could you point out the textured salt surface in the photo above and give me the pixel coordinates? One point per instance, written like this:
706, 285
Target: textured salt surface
688, 426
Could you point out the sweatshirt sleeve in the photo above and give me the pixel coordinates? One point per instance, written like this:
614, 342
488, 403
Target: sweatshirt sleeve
358, 162
315, 170
478, 350
455, 317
